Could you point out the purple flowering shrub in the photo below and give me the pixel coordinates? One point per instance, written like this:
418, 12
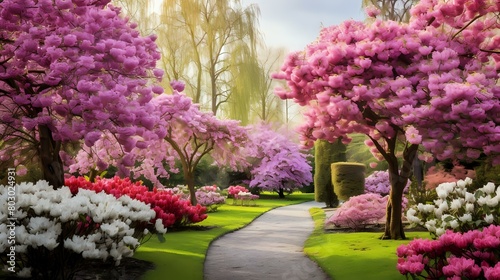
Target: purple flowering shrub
378, 182
210, 197
454, 255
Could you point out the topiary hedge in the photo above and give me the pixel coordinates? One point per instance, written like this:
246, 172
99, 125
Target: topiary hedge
348, 179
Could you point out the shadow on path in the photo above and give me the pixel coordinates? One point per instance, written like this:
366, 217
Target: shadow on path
271, 247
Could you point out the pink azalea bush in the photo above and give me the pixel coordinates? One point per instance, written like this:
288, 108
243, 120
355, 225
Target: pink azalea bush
210, 197
360, 211
171, 208
458, 209
454, 255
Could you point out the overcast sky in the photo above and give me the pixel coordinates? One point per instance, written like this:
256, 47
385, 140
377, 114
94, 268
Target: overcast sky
295, 23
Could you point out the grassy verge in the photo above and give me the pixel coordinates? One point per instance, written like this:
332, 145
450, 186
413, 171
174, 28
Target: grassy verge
183, 254
360, 255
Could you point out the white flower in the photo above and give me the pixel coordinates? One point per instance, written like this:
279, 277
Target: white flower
159, 226
410, 215
431, 225
111, 230
488, 218
440, 231
442, 193
129, 240
469, 207
483, 200
492, 202
489, 188
454, 224
456, 204
469, 197
466, 218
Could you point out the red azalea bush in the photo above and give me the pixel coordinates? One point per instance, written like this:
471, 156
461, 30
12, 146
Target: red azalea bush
169, 207
470, 255
232, 191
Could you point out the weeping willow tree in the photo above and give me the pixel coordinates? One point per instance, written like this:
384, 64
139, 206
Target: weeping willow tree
396, 10
252, 97
201, 40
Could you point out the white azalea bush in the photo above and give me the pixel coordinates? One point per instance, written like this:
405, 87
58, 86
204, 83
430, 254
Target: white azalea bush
55, 230
457, 209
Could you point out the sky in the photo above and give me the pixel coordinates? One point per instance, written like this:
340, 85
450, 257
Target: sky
293, 24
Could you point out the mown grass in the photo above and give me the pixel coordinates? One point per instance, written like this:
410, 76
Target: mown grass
182, 255
360, 255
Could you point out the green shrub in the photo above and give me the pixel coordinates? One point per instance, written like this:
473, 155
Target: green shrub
325, 154
348, 179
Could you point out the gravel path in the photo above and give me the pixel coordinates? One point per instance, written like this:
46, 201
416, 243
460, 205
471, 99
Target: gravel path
269, 248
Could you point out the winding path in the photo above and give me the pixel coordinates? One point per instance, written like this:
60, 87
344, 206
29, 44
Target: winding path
269, 248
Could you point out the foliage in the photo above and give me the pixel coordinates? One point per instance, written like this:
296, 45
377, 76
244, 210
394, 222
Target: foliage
348, 179
210, 197
458, 209
279, 164
171, 208
325, 154
469, 255
432, 82
56, 229
71, 70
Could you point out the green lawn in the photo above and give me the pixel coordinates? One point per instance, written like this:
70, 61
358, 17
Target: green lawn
359, 255
183, 254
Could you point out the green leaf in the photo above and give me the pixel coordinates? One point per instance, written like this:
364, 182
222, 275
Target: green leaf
160, 237
449, 219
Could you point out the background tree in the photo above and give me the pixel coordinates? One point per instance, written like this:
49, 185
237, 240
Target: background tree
201, 37
278, 163
326, 153
433, 82
70, 71
186, 134
397, 10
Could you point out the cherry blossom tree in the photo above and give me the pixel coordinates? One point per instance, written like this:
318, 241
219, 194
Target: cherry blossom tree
182, 132
279, 165
432, 83
71, 70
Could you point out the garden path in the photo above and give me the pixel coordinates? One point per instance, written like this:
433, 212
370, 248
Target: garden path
271, 247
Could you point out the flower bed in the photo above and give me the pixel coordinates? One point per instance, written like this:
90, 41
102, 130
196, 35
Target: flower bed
245, 199
171, 208
55, 229
210, 197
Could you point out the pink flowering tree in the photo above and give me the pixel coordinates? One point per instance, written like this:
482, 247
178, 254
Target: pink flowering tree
182, 132
431, 83
278, 165
71, 70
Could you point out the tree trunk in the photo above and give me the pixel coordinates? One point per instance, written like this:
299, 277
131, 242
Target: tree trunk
51, 162
281, 194
189, 176
394, 225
